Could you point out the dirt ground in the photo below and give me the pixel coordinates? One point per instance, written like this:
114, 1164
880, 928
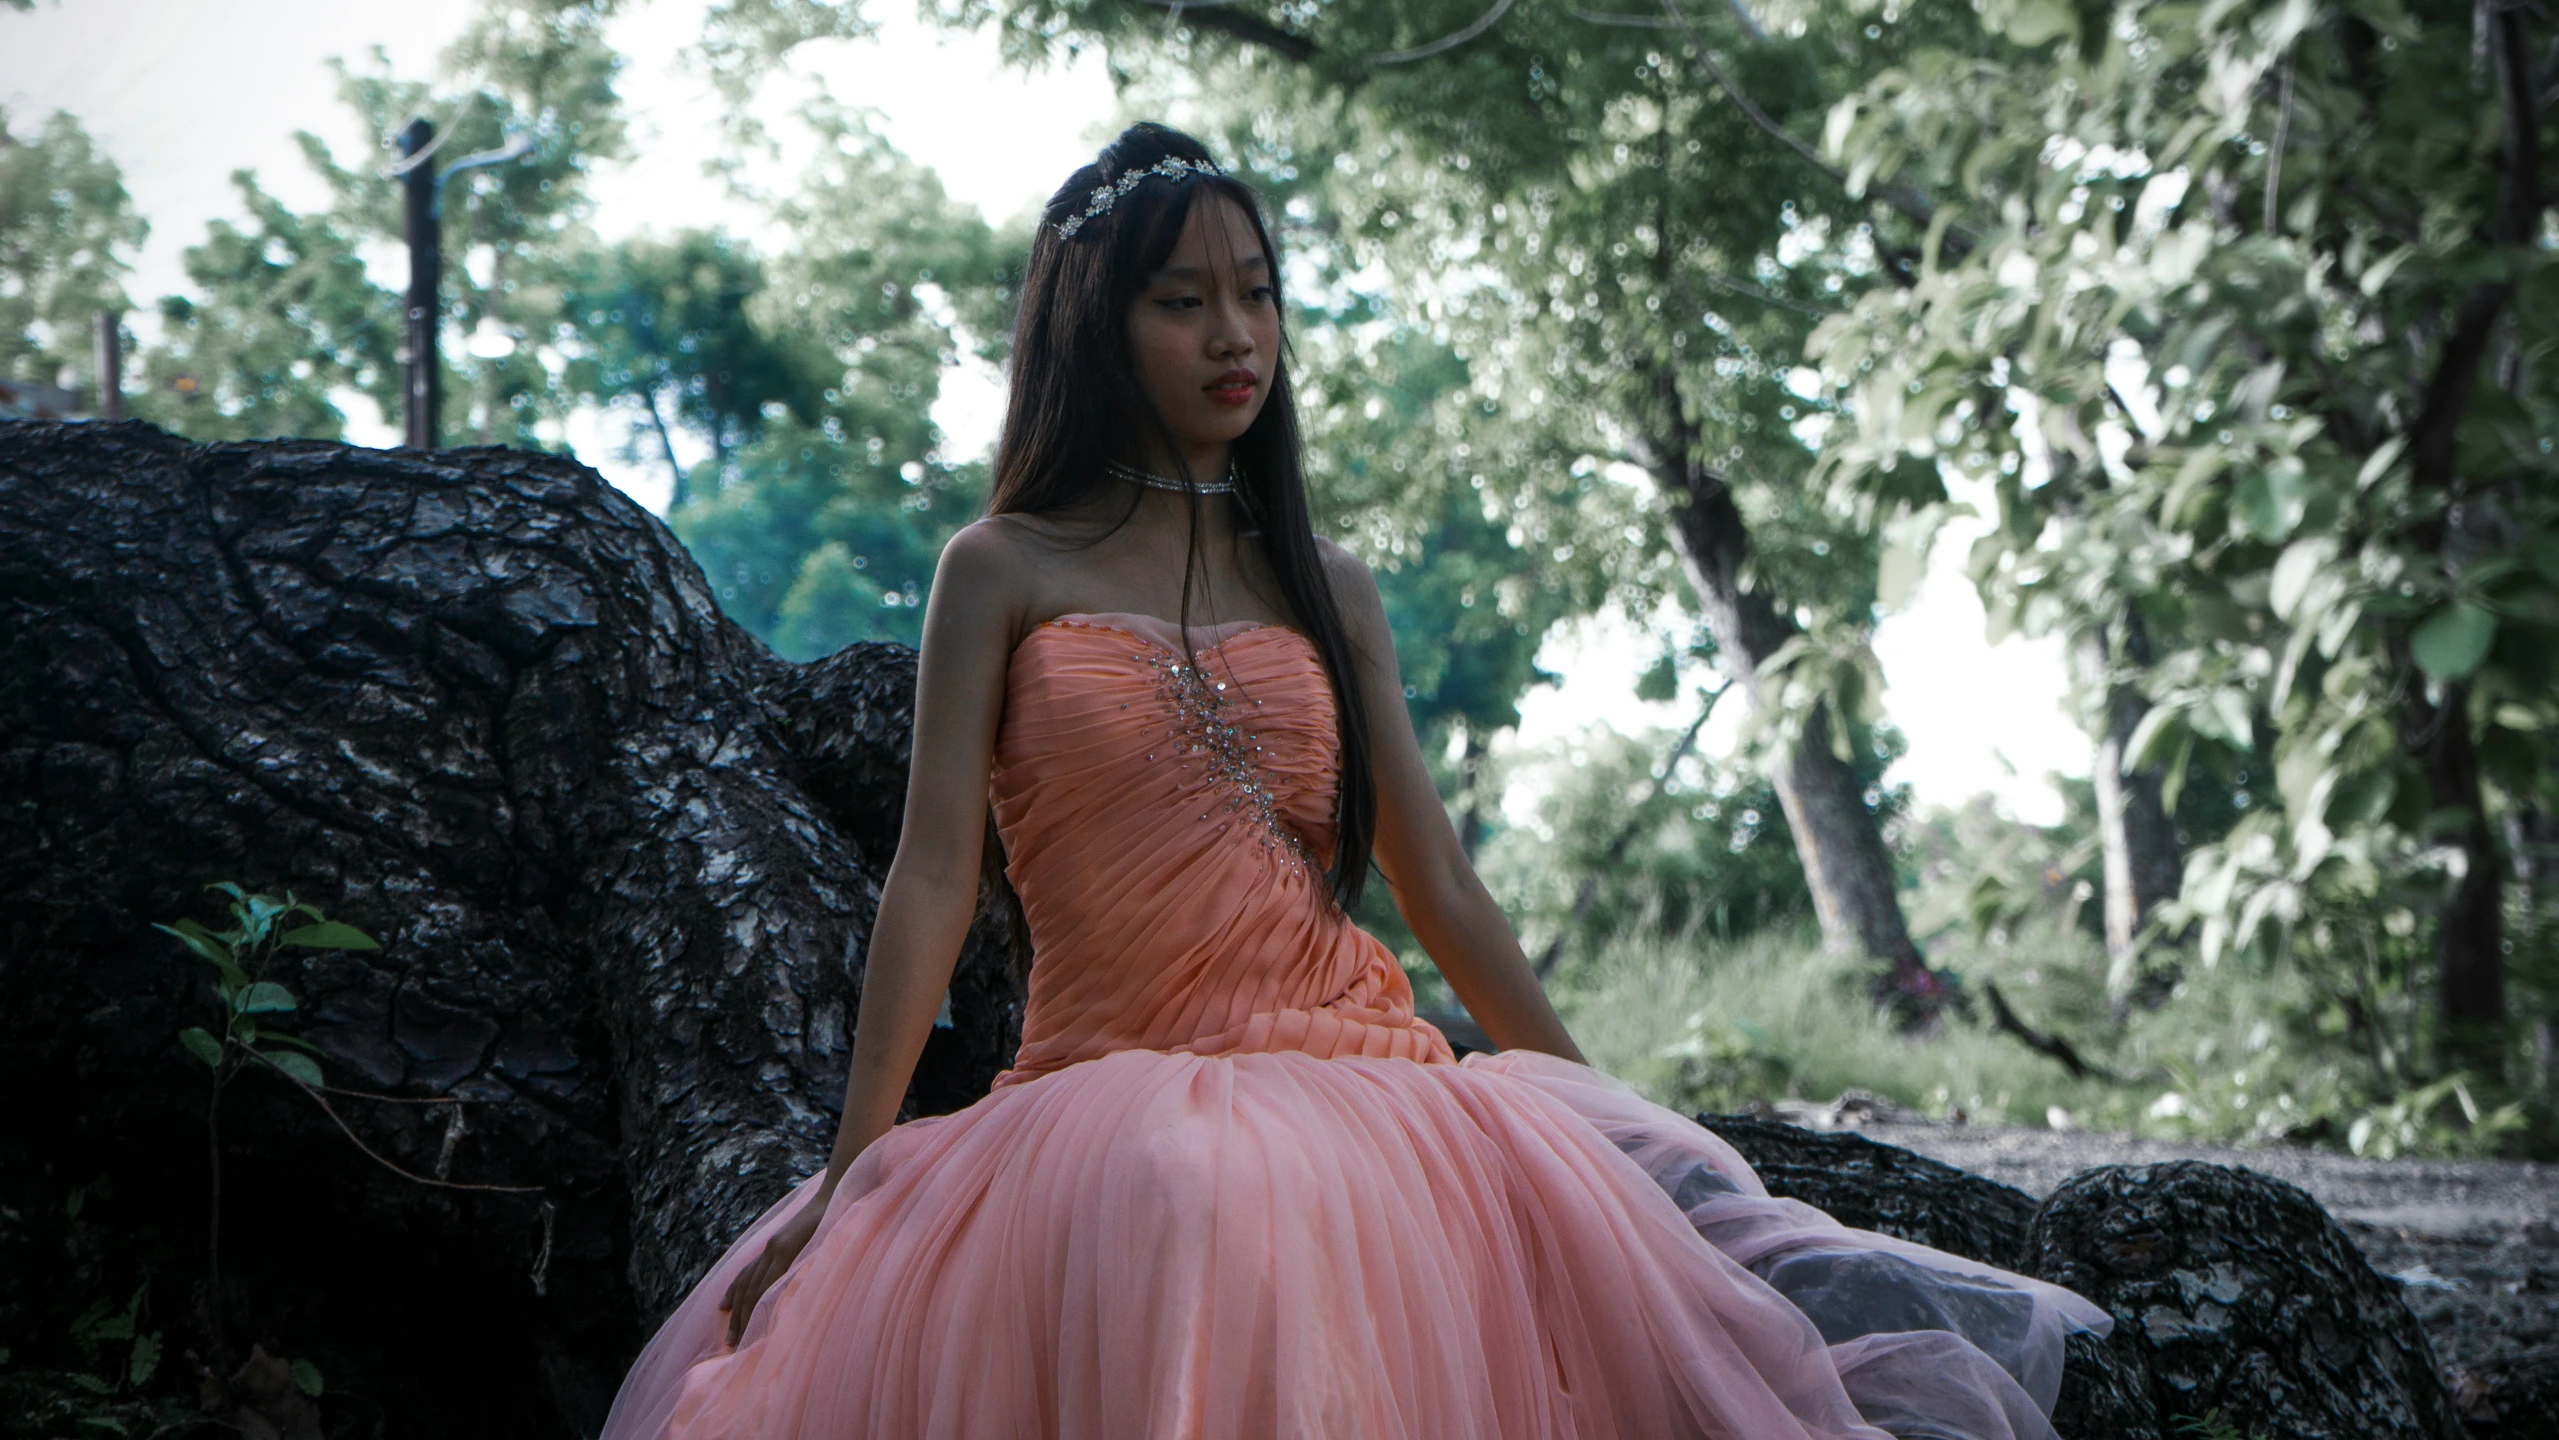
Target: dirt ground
2475, 1242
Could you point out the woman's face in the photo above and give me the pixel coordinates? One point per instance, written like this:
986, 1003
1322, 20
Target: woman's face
1205, 329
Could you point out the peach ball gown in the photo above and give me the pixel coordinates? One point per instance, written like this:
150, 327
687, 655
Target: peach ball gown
1233, 1188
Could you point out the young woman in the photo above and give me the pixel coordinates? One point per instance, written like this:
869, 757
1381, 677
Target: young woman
1232, 1187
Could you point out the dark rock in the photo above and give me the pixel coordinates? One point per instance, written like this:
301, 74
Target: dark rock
2241, 1298
2508, 1396
622, 861
1884, 1188
2105, 1394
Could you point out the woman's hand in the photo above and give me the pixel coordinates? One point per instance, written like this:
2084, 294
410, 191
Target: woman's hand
780, 1249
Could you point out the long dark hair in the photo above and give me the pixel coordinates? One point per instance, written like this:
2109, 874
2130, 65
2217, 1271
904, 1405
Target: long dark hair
1076, 397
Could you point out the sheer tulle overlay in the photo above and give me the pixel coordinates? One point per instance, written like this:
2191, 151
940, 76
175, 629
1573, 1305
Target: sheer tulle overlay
1233, 1187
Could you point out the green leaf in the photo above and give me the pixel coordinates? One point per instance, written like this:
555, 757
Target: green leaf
2141, 752
306, 1376
2453, 640
2379, 272
146, 1359
2298, 566
330, 935
257, 916
229, 888
2173, 783
1661, 682
208, 946
2229, 711
2544, 554
2361, 800
267, 997
201, 1044
2269, 503
2380, 462
1898, 573
94, 1386
2030, 22
296, 1064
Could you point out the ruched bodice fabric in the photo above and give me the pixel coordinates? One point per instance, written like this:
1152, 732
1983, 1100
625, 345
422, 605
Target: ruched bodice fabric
1233, 1189
1221, 936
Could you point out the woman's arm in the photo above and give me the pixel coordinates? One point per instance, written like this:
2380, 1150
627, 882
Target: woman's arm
1435, 886
931, 894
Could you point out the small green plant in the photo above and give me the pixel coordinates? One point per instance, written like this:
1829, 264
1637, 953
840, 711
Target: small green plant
250, 1035
2416, 1121
2210, 1426
242, 957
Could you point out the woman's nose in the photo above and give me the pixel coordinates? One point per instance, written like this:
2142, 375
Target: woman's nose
1230, 336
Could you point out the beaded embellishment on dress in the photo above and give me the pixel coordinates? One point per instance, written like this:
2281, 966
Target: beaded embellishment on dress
1201, 729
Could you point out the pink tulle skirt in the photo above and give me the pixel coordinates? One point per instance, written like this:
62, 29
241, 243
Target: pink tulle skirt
1147, 1246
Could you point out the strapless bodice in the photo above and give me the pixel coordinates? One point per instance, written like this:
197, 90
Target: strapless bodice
1167, 820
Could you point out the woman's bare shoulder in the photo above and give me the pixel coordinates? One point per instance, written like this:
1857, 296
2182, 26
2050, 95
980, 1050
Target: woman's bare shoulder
1354, 588
985, 577
997, 550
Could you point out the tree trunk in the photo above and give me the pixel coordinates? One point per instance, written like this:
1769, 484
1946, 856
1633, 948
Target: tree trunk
1856, 894
2469, 954
2143, 863
621, 859
2470, 961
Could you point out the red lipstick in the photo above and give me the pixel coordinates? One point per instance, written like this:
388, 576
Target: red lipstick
1235, 387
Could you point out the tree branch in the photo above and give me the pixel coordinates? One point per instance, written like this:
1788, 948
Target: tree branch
2275, 152
1912, 205
2051, 1046
376, 1156
1587, 894
1252, 30
2518, 214
1446, 42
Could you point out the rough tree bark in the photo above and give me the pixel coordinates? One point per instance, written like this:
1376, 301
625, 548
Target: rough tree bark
1846, 864
2237, 1294
2143, 864
2231, 1292
621, 859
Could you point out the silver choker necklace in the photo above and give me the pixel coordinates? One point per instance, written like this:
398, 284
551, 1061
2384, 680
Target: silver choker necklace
1135, 476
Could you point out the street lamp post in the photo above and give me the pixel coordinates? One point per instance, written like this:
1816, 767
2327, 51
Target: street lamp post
109, 340
426, 262
422, 192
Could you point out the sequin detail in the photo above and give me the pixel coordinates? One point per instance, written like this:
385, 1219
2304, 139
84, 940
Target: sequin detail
1201, 730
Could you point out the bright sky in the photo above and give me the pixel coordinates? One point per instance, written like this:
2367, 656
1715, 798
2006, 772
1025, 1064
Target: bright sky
183, 92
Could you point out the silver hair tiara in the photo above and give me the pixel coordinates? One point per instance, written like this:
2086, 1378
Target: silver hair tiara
1099, 203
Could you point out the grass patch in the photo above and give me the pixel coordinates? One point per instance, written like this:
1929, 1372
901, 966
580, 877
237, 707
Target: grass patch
2230, 1056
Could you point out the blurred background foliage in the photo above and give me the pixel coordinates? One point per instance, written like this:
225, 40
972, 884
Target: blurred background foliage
2226, 329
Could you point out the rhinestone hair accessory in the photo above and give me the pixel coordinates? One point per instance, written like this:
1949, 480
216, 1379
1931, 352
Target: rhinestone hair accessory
1099, 203
1135, 476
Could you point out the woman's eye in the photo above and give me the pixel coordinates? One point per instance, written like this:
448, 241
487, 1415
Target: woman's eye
1264, 295
1179, 302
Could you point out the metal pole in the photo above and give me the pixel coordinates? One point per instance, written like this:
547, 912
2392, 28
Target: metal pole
425, 389
110, 329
